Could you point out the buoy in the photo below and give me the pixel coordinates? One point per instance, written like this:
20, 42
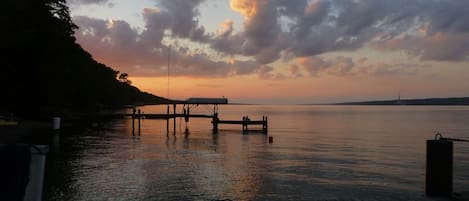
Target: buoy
271, 139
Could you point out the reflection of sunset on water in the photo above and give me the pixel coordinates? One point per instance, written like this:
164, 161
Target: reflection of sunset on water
363, 152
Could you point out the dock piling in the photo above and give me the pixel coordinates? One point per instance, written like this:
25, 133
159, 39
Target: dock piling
133, 122
56, 123
245, 125
439, 170
167, 120
138, 113
215, 122
174, 119
139, 117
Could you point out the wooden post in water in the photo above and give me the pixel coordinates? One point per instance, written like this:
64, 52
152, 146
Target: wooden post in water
139, 117
263, 124
133, 122
215, 123
439, 170
167, 120
174, 119
245, 125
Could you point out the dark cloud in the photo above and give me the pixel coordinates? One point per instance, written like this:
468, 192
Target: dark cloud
117, 44
437, 47
316, 65
266, 73
281, 30
181, 19
262, 37
447, 16
342, 66
383, 69
337, 25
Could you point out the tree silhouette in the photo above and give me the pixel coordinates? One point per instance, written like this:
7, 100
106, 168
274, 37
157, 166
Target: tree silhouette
41, 61
123, 78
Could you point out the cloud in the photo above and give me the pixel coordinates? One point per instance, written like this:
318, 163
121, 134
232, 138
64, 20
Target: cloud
342, 66
261, 38
115, 43
299, 31
266, 73
437, 47
447, 16
176, 16
324, 26
316, 65
383, 69
295, 71
226, 28
248, 8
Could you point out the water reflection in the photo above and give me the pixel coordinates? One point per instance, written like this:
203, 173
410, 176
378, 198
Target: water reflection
318, 154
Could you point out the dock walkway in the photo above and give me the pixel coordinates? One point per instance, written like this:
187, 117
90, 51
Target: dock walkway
188, 106
245, 122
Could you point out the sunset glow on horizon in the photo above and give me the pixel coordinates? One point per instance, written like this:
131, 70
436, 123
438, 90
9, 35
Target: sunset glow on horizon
282, 51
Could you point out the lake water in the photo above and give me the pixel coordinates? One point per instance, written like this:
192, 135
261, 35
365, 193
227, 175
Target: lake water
318, 153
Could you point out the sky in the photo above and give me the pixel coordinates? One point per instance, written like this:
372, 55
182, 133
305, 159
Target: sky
282, 51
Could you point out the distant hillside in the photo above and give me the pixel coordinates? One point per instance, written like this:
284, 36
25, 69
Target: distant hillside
44, 70
426, 101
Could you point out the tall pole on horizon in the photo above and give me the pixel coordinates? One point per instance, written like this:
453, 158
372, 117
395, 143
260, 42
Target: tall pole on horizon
169, 63
167, 93
399, 93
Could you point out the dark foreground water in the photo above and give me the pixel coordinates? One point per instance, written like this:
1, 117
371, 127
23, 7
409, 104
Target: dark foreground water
318, 153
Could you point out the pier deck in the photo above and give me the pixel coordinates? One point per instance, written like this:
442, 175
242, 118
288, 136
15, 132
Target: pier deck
245, 122
188, 106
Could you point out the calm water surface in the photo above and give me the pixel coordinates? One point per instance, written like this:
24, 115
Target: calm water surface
318, 153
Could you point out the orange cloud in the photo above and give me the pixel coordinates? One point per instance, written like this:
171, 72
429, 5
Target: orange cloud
226, 27
313, 7
231, 61
247, 8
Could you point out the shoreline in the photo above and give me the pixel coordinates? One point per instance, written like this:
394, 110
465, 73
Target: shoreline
24, 131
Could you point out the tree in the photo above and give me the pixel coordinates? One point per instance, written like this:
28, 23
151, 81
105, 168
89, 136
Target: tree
123, 78
40, 62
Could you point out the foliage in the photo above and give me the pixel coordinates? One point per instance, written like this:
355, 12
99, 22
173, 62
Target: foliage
45, 71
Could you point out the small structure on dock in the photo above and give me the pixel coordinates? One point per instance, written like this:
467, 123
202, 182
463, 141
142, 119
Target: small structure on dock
209, 101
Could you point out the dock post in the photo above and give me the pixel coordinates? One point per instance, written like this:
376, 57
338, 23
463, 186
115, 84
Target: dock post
266, 124
36, 168
186, 113
263, 124
245, 126
133, 122
167, 120
174, 119
439, 170
215, 123
56, 123
139, 117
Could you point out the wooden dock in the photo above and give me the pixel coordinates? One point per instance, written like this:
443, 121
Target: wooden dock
245, 122
137, 116
188, 106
